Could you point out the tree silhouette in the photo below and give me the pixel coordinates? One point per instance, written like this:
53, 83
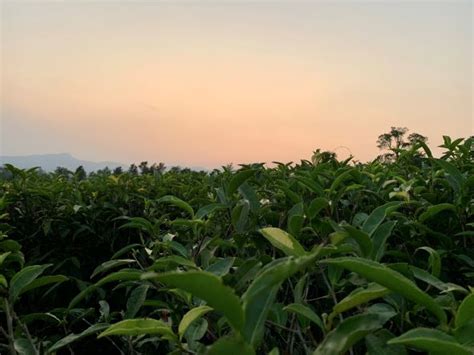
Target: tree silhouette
80, 173
155, 169
395, 142
63, 172
133, 169
118, 171
144, 169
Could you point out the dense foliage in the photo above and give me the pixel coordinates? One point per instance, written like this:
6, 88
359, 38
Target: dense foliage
322, 257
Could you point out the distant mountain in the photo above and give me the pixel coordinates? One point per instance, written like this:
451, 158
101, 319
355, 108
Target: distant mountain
49, 162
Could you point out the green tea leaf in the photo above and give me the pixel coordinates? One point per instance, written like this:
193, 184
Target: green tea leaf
172, 260
45, 317
10, 245
465, 311
134, 327
209, 209
221, 267
24, 278
256, 312
434, 210
135, 301
316, 206
238, 179
392, 280
283, 241
359, 296
3, 281
379, 239
69, 339
296, 219
110, 265
248, 193
434, 260
362, 239
173, 200
311, 184
240, 215
3, 256
191, 316
431, 340
137, 223
195, 332
378, 215
230, 346
123, 275
377, 344
125, 250
425, 276
259, 297
455, 178
24, 346
349, 332
463, 334
43, 281
209, 288
339, 179
306, 312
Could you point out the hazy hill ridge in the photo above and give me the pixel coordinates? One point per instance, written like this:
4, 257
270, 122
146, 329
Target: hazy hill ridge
50, 162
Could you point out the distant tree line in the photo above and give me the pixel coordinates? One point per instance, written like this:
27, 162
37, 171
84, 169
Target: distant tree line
143, 168
394, 142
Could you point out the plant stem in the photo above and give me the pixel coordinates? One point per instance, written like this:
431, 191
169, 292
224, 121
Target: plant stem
27, 333
11, 337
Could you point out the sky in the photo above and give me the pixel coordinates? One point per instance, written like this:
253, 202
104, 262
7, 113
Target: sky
210, 83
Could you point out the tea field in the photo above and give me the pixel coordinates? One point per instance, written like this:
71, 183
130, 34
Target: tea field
319, 257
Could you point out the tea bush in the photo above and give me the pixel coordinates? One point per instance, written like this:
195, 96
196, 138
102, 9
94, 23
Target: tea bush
322, 257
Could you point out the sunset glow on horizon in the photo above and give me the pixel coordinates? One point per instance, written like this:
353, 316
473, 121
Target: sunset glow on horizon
206, 84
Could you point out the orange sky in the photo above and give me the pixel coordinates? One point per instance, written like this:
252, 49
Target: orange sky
205, 84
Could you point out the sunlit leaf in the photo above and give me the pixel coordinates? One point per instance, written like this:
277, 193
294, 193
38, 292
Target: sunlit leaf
134, 327
283, 241
191, 316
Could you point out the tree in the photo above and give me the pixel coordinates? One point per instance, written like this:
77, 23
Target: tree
395, 142
118, 171
133, 169
104, 172
154, 169
80, 173
175, 169
61, 171
144, 169
392, 140
415, 138
158, 169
